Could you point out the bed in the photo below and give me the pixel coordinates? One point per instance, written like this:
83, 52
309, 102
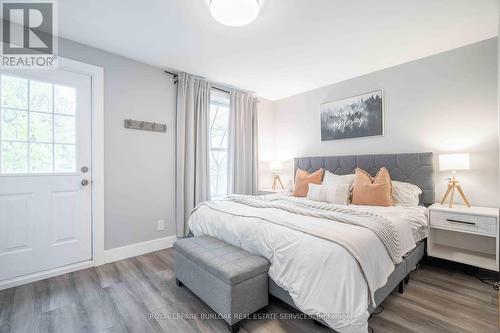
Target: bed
338, 273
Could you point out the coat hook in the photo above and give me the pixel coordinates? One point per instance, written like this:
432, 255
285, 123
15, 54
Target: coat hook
145, 125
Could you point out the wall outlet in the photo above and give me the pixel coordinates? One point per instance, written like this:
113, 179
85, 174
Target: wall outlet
160, 225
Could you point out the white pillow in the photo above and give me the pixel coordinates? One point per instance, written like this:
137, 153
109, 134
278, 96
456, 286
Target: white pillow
334, 194
332, 179
405, 193
317, 192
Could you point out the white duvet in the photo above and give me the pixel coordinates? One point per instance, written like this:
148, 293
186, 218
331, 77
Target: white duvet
321, 276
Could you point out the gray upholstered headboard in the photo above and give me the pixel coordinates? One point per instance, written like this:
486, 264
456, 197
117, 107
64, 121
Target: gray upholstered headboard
414, 168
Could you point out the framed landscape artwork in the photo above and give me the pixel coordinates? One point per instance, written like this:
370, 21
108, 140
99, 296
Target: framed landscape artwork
353, 117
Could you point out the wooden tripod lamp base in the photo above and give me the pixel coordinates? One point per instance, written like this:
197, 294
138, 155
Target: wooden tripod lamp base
454, 162
276, 167
277, 180
452, 185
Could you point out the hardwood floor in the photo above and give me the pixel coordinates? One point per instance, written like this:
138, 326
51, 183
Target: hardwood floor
136, 295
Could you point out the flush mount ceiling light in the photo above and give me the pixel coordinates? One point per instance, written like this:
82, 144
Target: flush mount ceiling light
234, 13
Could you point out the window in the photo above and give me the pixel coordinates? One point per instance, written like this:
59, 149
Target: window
37, 126
219, 122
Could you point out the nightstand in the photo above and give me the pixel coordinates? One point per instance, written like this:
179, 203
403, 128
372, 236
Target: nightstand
468, 235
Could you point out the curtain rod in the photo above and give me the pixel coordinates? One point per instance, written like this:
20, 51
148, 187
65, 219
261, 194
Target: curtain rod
219, 89
175, 76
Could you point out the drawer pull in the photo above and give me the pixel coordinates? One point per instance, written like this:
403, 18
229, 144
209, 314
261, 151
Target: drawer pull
461, 222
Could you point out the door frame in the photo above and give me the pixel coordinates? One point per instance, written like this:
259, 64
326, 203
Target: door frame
96, 74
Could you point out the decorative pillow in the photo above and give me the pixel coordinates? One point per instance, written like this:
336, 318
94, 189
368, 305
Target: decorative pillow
372, 191
303, 179
334, 194
405, 193
333, 179
317, 192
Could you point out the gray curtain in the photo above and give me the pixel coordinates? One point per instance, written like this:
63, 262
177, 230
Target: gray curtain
242, 164
192, 140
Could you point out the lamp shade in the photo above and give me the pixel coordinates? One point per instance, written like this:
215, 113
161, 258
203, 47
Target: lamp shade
276, 166
454, 162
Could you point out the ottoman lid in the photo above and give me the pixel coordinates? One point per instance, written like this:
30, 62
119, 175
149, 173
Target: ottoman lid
227, 262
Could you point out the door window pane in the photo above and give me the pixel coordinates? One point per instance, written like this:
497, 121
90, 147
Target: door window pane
14, 157
64, 129
37, 126
14, 125
64, 100
40, 96
14, 92
64, 158
40, 127
40, 157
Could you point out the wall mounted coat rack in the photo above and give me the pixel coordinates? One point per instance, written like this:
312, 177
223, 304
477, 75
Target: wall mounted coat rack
145, 125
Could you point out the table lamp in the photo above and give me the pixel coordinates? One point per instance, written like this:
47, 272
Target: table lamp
454, 162
276, 167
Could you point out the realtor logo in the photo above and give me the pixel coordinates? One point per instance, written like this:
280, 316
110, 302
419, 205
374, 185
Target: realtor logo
28, 34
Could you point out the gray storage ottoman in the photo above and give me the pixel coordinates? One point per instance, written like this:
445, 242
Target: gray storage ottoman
233, 282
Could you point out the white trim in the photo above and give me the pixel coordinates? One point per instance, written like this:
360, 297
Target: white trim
96, 74
98, 164
138, 249
33, 277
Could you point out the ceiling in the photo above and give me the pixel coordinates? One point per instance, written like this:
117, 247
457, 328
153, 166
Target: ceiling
293, 46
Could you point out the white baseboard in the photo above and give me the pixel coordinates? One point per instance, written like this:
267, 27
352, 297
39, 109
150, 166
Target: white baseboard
137, 249
17, 281
111, 255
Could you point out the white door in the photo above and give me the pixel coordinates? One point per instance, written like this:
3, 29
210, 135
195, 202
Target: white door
45, 164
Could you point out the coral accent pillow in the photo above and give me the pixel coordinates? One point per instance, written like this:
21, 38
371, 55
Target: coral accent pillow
303, 179
371, 191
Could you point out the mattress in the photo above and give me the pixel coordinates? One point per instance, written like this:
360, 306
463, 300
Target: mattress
321, 276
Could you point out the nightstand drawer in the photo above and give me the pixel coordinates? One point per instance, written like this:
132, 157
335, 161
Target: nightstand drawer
474, 223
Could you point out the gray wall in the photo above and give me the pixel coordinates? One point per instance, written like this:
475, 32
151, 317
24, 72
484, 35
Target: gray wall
139, 166
443, 103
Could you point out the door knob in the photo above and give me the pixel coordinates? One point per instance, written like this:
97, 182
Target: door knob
84, 182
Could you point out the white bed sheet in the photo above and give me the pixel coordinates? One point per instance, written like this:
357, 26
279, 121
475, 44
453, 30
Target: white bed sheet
321, 276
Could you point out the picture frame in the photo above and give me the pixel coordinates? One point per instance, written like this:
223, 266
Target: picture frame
357, 116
